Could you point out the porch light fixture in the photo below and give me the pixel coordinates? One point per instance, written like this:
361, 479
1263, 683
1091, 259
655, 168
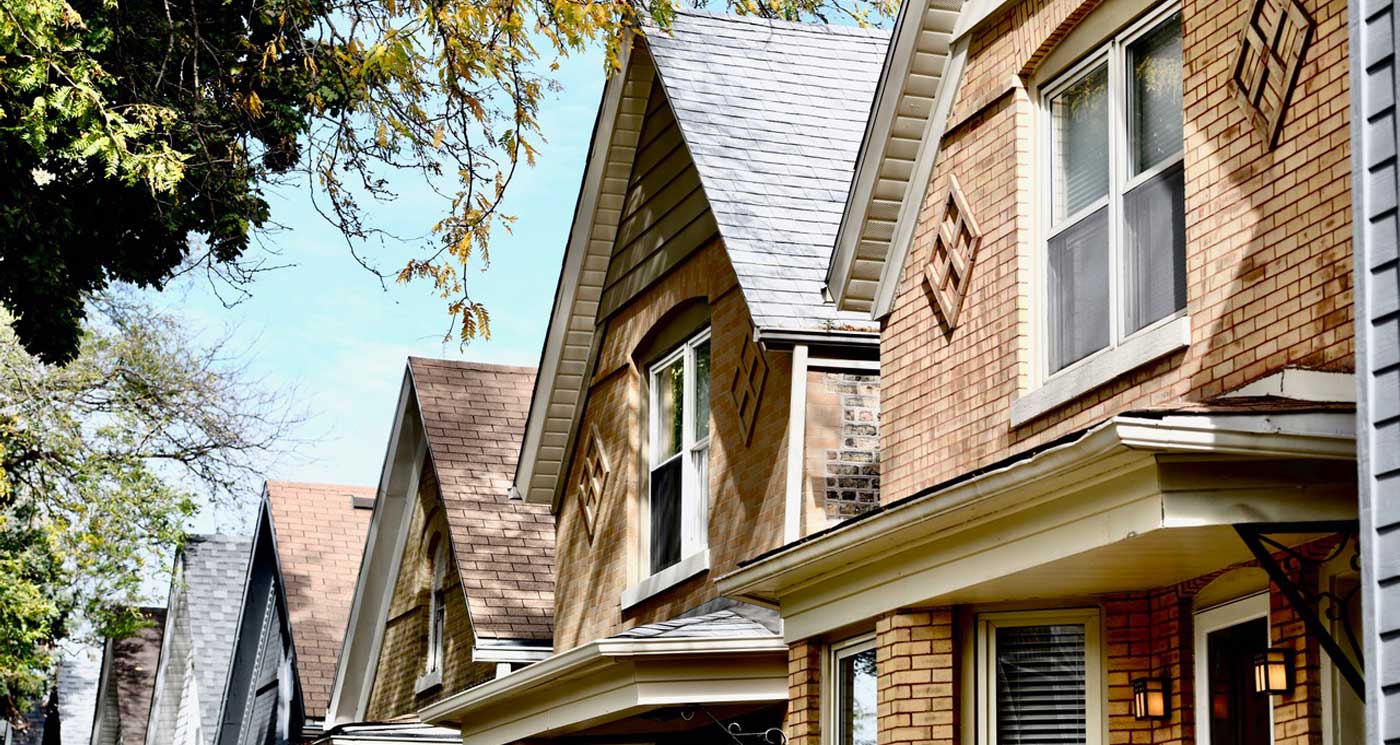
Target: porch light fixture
1150, 699
1273, 672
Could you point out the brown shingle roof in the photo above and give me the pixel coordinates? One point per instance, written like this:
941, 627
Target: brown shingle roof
134, 661
474, 415
320, 540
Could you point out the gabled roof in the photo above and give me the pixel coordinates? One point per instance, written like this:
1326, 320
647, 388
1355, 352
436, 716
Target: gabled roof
771, 113
897, 153
320, 534
466, 420
474, 415
133, 672
207, 598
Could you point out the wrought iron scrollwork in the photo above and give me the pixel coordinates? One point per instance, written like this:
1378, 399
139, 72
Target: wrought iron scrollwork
1288, 567
737, 735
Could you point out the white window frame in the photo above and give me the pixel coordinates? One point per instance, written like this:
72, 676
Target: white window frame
695, 553
1125, 351
1215, 618
831, 685
437, 632
1095, 690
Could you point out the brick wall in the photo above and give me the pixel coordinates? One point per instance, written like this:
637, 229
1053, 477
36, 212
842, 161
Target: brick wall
747, 481
916, 680
1268, 250
803, 723
1148, 634
403, 651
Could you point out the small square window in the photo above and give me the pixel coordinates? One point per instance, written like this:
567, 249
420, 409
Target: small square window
1040, 678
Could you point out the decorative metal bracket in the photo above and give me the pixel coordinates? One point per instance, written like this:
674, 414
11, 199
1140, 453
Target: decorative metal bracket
770, 736
1288, 571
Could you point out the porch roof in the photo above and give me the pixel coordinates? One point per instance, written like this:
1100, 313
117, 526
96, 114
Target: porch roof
1140, 500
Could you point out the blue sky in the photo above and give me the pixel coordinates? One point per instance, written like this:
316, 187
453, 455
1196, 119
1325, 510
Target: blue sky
325, 329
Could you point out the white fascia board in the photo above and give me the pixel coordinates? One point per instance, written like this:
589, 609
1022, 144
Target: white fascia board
359, 651
919, 181
871, 154
564, 295
974, 13
555, 672
1119, 442
490, 650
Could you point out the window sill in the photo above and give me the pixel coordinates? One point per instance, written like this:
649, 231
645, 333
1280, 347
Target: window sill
666, 578
428, 681
1083, 377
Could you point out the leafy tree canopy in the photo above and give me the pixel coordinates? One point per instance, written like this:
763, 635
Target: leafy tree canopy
99, 461
139, 133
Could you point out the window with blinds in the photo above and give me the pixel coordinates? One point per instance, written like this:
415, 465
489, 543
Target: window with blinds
1041, 685
1040, 677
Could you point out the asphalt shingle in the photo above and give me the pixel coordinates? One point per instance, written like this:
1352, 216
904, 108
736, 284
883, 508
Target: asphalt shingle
474, 415
320, 541
215, 568
773, 113
134, 661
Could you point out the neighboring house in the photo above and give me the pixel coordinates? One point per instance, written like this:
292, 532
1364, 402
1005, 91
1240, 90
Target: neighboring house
66, 716
698, 401
1110, 252
128, 683
197, 643
455, 588
296, 605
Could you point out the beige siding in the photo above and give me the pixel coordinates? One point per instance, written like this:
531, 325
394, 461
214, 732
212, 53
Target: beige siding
665, 217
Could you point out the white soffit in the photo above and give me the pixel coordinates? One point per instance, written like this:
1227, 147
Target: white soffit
906, 102
1301, 384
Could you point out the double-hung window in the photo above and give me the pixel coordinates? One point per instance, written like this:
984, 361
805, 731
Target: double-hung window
679, 454
1039, 678
1115, 248
854, 707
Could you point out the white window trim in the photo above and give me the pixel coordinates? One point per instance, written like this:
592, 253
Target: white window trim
1095, 689
673, 575
831, 689
1125, 352
437, 636
695, 553
1219, 617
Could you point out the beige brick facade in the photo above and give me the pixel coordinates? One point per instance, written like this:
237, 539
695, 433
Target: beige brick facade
917, 681
747, 481
1267, 240
403, 651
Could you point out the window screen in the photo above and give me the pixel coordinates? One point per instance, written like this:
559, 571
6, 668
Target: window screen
666, 515
1041, 695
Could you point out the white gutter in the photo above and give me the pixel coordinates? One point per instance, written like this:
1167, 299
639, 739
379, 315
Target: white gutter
1326, 436
593, 656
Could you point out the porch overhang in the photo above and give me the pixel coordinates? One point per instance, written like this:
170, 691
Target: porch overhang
612, 679
1133, 503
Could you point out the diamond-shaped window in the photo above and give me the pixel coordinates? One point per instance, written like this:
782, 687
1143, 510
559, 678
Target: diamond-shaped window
1273, 45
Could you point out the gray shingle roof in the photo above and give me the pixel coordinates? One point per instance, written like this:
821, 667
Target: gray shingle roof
773, 113
215, 568
726, 623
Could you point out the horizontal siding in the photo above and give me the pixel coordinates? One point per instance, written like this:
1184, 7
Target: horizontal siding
664, 217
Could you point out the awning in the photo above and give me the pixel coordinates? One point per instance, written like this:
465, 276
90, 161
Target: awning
1137, 502
719, 659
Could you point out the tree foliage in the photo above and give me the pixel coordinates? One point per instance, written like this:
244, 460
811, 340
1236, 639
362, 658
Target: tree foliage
99, 460
137, 132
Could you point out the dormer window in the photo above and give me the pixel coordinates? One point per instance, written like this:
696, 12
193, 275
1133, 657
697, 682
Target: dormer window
679, 454
1115, 251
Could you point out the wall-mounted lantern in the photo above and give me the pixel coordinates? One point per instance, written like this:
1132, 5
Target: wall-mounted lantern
1151, 701
1273, 672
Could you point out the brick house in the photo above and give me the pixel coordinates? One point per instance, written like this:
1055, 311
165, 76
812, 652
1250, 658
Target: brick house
699, 402
1108, 243
455, 587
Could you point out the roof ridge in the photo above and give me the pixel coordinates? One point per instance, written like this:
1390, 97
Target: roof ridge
318, 484
815, 27
492, 366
